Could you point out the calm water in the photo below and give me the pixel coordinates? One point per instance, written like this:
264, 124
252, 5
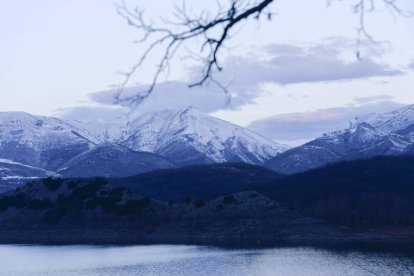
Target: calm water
194, 260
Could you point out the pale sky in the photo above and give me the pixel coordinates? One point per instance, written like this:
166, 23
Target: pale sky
299, 67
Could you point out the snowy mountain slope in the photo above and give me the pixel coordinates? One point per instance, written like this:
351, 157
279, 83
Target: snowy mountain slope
361, 137
13, 174
112, 160
360, 141
42, 142
390, 133
102, 131
87, 148
188, 136
399, 121
301, 159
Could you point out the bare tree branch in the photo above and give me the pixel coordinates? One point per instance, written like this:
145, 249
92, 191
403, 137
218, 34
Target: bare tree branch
213, 31
362, 7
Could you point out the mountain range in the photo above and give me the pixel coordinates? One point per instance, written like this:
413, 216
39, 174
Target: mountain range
385, 134
181, 175
36, 146
46, 146
189, 136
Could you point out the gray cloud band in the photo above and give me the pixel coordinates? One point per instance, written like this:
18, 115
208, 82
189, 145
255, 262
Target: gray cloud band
282, 64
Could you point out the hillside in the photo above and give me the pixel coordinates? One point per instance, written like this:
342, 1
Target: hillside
188, 136
361, 140
198, 182
364, 192
360, 200
125, 146
43, 142
91, 211
376, 191
111, 160
14, 174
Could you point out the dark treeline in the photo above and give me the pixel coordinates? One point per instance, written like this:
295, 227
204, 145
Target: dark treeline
199, 181
360, 193
371, 192
366, 192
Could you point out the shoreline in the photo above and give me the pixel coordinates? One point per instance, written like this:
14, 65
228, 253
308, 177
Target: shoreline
65, 238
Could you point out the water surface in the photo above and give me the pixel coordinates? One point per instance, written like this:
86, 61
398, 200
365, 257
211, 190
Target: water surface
197, 260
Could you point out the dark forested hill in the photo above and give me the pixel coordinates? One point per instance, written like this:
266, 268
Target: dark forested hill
360, 192
200, 181
376, 191
368, 199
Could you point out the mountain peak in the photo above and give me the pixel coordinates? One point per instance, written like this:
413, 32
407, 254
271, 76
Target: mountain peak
364, 127
190, 108
191, 111
191, 136
394, 121
386, 134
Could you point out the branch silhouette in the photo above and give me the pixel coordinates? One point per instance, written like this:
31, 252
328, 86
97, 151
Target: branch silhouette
213, 31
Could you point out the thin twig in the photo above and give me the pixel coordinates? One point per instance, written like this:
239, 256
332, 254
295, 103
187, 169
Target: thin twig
213, 30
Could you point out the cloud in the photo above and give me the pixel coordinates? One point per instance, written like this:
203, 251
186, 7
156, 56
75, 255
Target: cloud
373, 99
304, 126
91, 113
286, 64
411, 66
171, 95
283, 64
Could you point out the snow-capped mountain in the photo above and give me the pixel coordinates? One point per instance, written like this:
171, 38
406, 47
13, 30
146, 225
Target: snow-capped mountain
400, 121
189, 136
36, 146
391, 133
361, 140
125, 146
112, 160
42, 142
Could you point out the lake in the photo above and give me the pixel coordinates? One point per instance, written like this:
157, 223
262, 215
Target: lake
197, 260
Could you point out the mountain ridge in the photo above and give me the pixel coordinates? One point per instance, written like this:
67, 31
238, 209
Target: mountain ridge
185, 136
111, 160
380, 135
164, 131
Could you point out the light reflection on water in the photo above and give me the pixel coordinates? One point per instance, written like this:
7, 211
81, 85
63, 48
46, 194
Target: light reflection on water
194, 260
